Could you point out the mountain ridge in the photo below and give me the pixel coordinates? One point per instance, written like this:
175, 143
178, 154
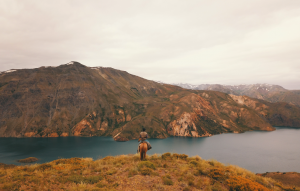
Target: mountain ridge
268, 92
75, 100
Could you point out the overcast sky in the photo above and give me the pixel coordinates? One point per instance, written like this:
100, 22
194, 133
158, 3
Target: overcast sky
197, 42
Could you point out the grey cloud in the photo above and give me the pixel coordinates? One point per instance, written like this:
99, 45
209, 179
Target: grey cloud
172, 41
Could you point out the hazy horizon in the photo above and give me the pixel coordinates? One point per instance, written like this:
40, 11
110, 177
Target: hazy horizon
196, 42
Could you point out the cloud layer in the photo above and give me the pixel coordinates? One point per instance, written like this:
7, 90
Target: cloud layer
226, 42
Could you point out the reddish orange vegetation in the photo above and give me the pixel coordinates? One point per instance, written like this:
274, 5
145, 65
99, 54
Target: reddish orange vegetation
239, 183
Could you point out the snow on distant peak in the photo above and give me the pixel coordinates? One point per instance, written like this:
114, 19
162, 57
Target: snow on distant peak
96, 67
8, 71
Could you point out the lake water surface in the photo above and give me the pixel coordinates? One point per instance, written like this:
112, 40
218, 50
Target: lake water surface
256, 151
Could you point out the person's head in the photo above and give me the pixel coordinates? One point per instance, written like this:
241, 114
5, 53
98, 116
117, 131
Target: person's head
144, 129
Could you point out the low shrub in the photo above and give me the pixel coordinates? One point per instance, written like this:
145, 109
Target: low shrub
34, 180
110, 179
115, 185
167, 180
132, 172
217, 187
191, 182
11, 186
44, 167
76, 179
217, 173
194, 163
18, 177
146, 171
201, 171
101, 185
2, 173
111, 172
88, 180
147, 164
166, 156
176, 156
92, 179
183, 156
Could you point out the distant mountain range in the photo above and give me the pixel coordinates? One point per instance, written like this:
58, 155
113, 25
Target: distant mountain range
75, 100
272, 93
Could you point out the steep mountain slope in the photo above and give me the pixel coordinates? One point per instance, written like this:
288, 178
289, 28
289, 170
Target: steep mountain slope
75, 100
272, 93
277, 114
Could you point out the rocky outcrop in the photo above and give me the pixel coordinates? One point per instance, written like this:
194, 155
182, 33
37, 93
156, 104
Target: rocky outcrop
184, 126
121, 139
82, 125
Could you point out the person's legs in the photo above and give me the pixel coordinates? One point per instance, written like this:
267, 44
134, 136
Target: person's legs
149, 145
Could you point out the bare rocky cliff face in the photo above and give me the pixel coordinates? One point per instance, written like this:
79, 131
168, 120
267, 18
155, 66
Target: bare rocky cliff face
75, 100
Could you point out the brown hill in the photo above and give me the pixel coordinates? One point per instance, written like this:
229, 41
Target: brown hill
291, 179
75, 100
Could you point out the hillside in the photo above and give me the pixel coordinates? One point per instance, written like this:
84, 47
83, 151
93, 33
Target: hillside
290, 179
127, 172
75, 100
271, 93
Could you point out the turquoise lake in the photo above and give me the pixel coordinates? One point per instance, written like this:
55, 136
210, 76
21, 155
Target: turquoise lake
257, 151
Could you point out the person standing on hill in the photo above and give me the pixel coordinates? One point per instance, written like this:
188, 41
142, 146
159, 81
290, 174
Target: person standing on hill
143, 137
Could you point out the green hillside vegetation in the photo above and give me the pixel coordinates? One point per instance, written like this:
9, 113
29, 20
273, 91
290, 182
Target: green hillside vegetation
127, 172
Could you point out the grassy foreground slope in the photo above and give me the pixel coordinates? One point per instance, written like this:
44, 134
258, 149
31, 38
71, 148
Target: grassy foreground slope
127, 172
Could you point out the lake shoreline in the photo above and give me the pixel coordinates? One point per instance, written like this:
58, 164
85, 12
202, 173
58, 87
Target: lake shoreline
257, 151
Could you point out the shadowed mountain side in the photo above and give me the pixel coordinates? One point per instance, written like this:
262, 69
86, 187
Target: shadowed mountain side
75, 100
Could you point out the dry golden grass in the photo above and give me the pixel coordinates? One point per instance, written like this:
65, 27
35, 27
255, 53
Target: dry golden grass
127, 172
